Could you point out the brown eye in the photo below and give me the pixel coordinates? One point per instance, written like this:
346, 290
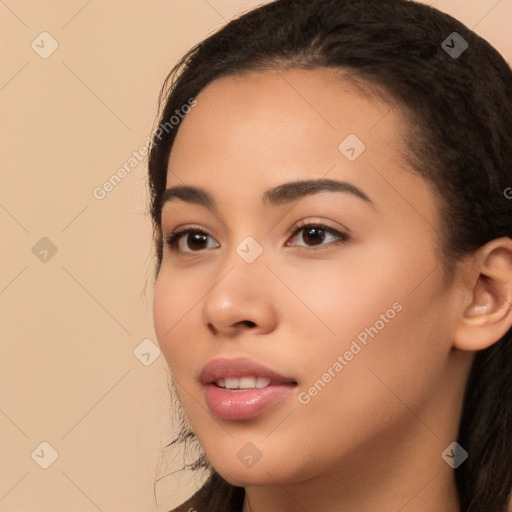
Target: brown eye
192, 239
316, 234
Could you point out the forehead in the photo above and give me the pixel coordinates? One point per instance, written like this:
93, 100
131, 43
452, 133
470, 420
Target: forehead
256, 130
323, 99
275, 117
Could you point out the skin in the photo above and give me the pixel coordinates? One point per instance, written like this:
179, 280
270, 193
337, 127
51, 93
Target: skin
372, 438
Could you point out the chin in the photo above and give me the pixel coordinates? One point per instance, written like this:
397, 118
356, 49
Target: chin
264, 472
251, 476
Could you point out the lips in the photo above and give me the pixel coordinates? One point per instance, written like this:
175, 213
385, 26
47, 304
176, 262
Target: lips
238, 389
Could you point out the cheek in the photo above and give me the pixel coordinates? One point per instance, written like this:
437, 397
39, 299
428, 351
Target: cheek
386, 317
334, 302
170, 306
389, 349
161, 321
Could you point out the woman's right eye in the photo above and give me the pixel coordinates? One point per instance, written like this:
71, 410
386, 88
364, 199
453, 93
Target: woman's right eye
194, 238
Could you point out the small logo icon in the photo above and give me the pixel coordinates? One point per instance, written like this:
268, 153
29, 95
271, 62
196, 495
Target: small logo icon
249, 455
454, 455
249, 249
44, 250
44, 45
352, 147
454, 45
146, 352
45, 455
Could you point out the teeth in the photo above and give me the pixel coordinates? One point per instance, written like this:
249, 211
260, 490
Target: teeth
262, 382
243, 383
231, 383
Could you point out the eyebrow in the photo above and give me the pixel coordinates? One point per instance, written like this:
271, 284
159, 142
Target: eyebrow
282, 194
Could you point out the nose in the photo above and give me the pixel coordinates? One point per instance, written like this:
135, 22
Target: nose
241, 301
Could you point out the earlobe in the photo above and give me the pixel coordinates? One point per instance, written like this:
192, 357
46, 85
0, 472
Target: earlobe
488, 317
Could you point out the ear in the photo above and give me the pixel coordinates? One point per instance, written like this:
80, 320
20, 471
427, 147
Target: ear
488, 316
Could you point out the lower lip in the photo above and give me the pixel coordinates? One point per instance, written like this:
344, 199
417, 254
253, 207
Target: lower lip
244, 404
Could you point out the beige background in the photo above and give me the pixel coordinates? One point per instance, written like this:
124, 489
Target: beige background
70, 323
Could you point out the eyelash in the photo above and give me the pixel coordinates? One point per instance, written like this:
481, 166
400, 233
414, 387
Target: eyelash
294, 231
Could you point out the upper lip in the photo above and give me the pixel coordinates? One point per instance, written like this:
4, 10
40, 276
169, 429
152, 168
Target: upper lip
240, 367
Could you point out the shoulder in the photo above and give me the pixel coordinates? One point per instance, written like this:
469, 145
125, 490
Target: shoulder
215, 495
196, 503
190, 505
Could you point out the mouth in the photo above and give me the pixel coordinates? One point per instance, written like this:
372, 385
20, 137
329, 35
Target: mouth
245, 383
238, 389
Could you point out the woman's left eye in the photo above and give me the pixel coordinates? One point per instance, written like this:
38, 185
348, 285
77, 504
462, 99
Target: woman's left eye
316, 233
313, 235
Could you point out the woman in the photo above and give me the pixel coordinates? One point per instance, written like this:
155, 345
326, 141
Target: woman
330, 192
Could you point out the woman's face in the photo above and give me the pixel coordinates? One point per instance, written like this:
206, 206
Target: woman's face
356, 323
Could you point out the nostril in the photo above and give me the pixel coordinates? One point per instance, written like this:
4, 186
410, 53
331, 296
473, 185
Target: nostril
248, 323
